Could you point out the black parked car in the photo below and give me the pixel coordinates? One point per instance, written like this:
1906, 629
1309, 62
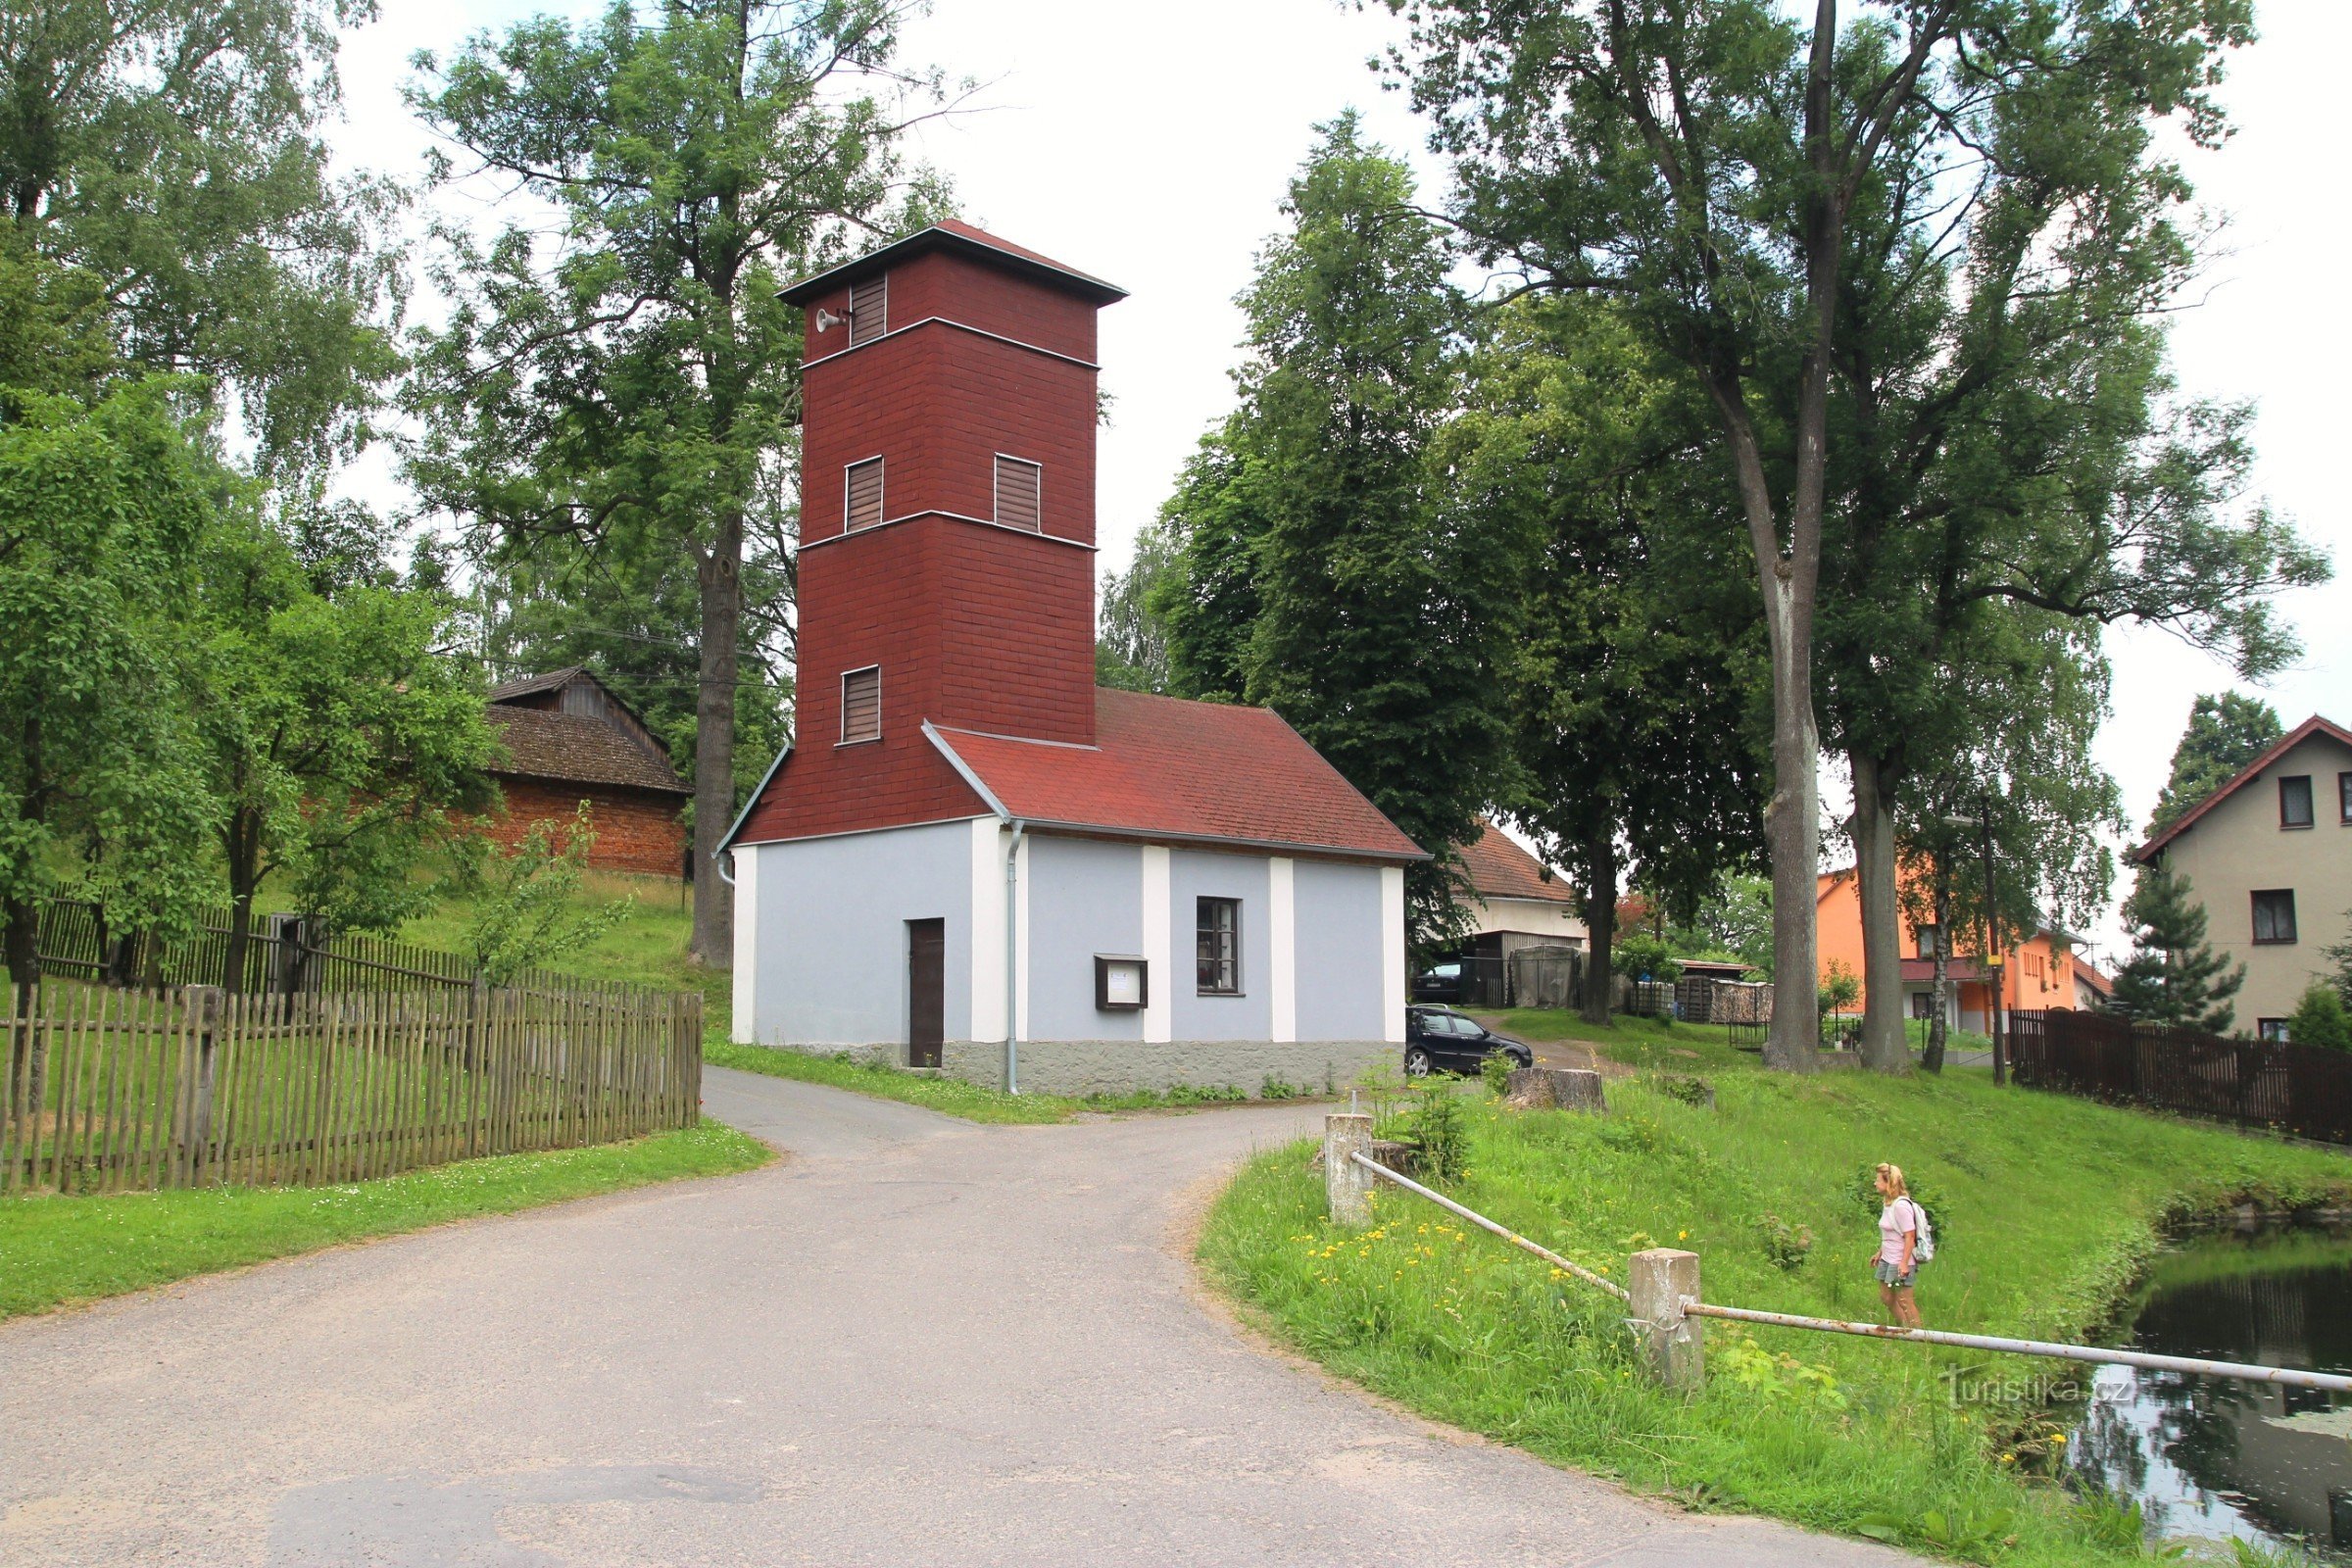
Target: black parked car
1441, 1040
1444, 983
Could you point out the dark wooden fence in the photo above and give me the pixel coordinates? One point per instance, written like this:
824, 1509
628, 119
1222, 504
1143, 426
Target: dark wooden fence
2302, 1090
109, 1090
287, 956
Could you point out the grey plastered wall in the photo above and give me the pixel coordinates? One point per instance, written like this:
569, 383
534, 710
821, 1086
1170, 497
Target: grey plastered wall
1117, 1067
832, 944
1084, 897
1193, 875
1337, 914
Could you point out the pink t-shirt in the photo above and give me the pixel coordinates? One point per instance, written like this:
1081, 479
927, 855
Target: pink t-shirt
1893, 1220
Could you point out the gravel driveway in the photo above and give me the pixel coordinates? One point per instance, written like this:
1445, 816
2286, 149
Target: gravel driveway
917, 1341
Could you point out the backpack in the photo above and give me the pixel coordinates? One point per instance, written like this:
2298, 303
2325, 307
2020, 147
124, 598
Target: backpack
1924, 1249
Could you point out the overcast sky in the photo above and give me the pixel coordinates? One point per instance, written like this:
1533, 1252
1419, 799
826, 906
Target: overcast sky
1151, 145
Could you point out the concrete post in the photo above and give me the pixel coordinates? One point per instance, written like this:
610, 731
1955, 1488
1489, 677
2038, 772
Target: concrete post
1346, 1184
1659, 1281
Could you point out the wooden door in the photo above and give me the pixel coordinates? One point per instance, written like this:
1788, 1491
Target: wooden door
926, 991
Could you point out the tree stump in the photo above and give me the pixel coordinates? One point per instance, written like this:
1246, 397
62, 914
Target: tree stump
1555, 1089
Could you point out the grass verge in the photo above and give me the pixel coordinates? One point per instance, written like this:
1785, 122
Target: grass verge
955, 1097
2047, 1209
59, 1252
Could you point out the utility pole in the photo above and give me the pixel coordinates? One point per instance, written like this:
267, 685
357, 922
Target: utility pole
1991, 963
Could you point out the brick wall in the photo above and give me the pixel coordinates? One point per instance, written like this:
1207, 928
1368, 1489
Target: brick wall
634, 832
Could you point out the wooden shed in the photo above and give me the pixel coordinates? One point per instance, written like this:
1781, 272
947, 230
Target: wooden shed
569, 738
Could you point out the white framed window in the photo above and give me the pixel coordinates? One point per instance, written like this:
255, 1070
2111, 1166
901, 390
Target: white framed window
1020, 493
861, 704
862, 494
1219, 949
869, 310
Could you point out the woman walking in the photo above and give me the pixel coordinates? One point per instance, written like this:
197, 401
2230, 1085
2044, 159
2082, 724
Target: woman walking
1898, 1263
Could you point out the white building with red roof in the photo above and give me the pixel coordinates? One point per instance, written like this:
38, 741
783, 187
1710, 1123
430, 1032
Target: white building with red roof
971, 859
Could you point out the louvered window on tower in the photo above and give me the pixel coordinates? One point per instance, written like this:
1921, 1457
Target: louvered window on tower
1019, 494
869, 310
863, 501
861, 704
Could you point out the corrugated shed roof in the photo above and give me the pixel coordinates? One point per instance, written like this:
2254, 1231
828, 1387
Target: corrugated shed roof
1501, 869
1165, 768
573, 749
530, 685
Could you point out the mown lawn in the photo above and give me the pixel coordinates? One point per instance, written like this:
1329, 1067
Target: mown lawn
62, 1250
2047, 1210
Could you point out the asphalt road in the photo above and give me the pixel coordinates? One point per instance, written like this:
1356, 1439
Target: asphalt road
916, 1342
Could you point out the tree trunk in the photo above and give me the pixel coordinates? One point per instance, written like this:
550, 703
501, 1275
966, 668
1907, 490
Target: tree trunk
720, 576
244, 880
1601, 927
1932, 1059
1792, 835
1883, 1048
20, 938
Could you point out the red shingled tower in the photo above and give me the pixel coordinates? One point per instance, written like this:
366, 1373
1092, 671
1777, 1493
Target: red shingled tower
947, 525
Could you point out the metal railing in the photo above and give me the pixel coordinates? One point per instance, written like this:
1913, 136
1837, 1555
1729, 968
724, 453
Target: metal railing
2092, 1355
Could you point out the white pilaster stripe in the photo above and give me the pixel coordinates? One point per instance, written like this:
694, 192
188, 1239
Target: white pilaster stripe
1392, 949
1160, 957
1282, 932
744, 1025
988, 929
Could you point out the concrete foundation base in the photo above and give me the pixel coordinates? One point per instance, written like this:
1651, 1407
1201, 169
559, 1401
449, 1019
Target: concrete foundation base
1124, 1066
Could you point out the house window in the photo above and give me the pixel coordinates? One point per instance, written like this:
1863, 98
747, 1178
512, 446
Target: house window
1020, 492
2274, 915
869, 310
862, 494
2270, 1029
1220, 951
1927, 939
2343, 791
1922, 1005
2295, 800
861, 704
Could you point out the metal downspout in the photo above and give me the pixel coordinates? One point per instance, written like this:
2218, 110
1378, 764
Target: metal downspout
1012, 1044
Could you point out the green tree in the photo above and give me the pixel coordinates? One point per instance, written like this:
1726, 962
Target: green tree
2319, 1019
2224, 734
100, 510
526, 910
2172, 976
1207, 597
168, 150
1714, 165
1131, 644
628, 379
1381, 610
338, 734
1633, 680
2339, 960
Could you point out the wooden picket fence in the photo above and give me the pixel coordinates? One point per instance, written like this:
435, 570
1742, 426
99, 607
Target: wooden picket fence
108, 1091
2302, 1090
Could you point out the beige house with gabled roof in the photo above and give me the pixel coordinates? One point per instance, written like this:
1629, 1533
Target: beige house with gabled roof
2269, 855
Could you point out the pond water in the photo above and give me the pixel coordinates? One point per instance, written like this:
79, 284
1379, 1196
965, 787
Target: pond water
2212, 1458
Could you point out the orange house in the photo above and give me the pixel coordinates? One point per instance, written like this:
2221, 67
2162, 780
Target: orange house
2037, 972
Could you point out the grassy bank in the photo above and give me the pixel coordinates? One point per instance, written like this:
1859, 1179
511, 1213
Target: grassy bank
2047, 1209
61, 1251
955, 1097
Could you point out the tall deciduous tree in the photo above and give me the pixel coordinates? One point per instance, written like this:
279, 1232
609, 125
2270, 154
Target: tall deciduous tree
1635, 682
1381, 610
1708, 162
632, 379
100, 510
169, 149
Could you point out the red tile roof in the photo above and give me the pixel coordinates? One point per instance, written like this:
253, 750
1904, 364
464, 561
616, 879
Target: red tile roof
1168, 769
1501, 869
2146, 853
575, 749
